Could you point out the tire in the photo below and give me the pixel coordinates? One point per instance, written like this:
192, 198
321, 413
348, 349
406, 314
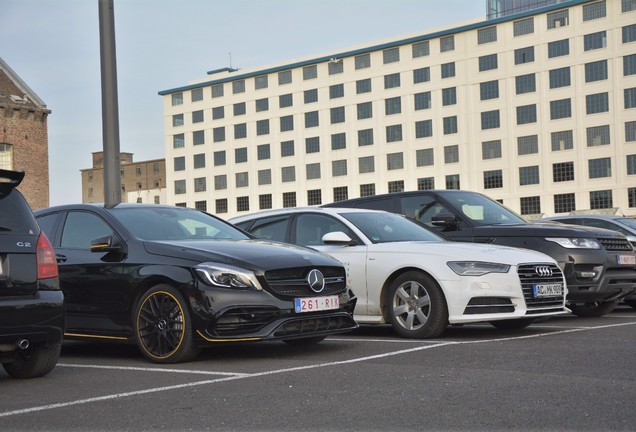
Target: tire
34, 362
631, 303
305, 341
416, 306
512, 324
163, 328
593, 309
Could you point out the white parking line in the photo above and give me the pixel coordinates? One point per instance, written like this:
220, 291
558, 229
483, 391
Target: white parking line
287, 370
131, 368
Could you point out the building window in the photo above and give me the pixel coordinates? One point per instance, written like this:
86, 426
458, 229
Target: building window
524, 55
196, 95
284, 77
392, 80
219, 158
423, 128
197, 116
451, 154
243, 203
287, 123
339, 168
631, 197
493, 179
426, 183
525, 84
242, 179
264, 177
365, 110
596, 103
490, 119
240, 130
340, 193
218, 113
289, 199
177, 120
560, 109
312, 145
598, 136
239, 109
596, 71
220, 206
527, 145
628, 5
337, 115
366, 164
363, 86
200, 184
452, 182
601, 199
285, 100
396, 186
365, 137
393, 105
486, 35
450, 125
526, 114
288, 174
420, 49
310, 72
178, 141
179, 187
491, 149
489, 90
156, 199
630, 97
311, 119
631, 164
529, 175
559, 48
220, 182
449, 96
177, 99
262, 104
599, 168
198, 137
560, 77
6, 158
562, 172
629, 33
421, 75
313, 171
179, 163
523, 27
629, 65
336, 91
595, 41
558, 19
338, 141
394, 161
448, 70
265, 201
263, 152
367, 189
217, 91
422, 101
310, 96
562, 140
199, 160
218, 134
530, 205
287, 148
314, 197
335, 67
393, 133
391, 55
564, 203
238, 86
447, 43
362, 61
594, 11
488, 62
424, 157
240, 155
630, 131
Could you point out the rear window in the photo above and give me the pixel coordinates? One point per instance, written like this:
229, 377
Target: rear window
16, 216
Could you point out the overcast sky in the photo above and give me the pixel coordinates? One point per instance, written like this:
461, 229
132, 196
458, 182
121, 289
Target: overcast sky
53, 45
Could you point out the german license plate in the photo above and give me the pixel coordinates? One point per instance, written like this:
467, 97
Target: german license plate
315, 304
547, 290
627, 259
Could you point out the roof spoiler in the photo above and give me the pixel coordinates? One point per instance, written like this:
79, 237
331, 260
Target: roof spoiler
14, 177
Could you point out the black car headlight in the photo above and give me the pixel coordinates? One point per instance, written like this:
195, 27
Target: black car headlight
226, 276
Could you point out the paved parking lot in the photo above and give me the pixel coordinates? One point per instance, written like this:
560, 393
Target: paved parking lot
567, 373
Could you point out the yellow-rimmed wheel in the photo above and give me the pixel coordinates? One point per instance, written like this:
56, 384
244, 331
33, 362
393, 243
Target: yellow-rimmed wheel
162, 326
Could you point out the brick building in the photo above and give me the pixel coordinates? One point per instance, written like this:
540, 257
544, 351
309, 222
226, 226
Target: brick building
24, 136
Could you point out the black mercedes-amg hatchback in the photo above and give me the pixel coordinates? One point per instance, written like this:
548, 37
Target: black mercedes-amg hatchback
173, 280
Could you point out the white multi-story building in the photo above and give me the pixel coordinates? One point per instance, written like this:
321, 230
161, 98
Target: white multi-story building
536, 109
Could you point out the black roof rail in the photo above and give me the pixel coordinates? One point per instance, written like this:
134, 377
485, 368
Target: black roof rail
14, 177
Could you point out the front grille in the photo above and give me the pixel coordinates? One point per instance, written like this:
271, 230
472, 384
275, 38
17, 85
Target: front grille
616, 244
243, 321
290, 283
312, 325
529, 275
483, 305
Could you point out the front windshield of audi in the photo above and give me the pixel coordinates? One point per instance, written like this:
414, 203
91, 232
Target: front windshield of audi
388, 227
168, 224
481, 210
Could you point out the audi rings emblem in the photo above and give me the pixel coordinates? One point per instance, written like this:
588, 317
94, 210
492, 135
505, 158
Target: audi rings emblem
543, 271
316, 280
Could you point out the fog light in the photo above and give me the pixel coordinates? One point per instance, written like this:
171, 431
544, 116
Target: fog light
586, 274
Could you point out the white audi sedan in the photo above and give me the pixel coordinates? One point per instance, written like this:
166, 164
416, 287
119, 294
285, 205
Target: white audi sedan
404, 274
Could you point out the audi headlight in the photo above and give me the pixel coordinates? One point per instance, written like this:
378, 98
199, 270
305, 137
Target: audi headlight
477, 268
575, 243
226, 276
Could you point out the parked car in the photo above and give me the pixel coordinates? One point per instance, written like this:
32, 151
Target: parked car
173, 280
599, 265
622, 224
408, 276
31, 303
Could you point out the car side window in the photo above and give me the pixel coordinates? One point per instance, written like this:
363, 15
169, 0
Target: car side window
604, 224
47, 224
80, 228
272, 228
422, 208
310, 228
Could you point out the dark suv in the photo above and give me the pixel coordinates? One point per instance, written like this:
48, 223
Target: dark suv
31, 303
599, 265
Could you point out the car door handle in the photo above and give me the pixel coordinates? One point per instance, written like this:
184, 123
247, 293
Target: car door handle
60, 258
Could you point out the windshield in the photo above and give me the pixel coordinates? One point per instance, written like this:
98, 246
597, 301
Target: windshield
482, 210
163, 223
628, 222
388, 227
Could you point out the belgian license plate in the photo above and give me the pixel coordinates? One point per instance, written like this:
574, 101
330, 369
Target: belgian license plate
627, 259
314, 304
547, 290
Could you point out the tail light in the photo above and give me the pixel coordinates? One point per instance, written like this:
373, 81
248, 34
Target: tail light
47, 263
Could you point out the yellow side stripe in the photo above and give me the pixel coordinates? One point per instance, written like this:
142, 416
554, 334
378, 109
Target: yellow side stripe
94, 336
228, 340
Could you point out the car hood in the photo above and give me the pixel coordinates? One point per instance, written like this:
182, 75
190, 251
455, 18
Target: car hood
255, 255
544, 229
459, 251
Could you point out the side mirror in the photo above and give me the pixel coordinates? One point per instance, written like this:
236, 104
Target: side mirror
337, 238
105, 244
445, 220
